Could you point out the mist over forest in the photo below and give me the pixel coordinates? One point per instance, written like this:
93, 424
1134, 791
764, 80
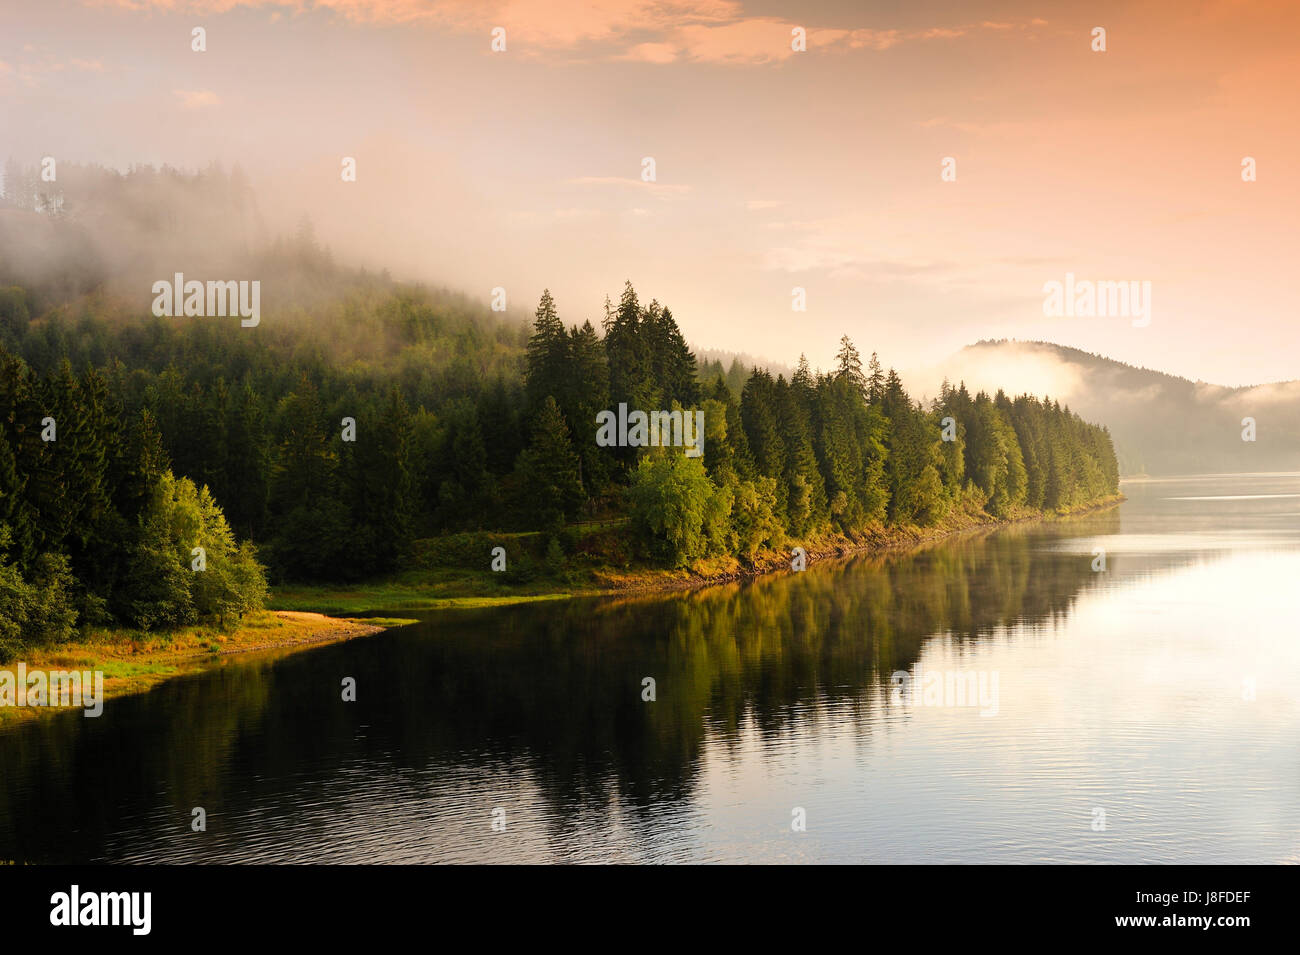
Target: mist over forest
105, 236
363, 418
1162, 424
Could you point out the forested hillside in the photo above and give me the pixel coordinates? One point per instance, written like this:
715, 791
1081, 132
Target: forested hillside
369, 414
1161, 424
463, 423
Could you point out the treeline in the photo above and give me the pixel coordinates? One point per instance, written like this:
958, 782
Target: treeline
845, 451
333, 438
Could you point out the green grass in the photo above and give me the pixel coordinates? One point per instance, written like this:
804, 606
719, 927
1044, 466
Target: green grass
389, 621
133, 660
387, 596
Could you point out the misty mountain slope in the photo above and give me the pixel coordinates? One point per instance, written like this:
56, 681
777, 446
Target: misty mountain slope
1161, 424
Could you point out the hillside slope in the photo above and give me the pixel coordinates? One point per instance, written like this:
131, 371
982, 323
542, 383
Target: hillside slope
1161, 424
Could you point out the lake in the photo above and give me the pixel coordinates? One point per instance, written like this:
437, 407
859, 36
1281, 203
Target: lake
996, 697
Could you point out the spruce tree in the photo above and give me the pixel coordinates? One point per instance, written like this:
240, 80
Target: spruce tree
849, 365
587, 395
875, 380
548, 471
548, 354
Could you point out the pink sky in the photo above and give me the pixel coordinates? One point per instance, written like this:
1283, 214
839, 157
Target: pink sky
776, 169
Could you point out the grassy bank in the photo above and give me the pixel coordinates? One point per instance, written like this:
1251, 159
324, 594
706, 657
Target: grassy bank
134, 661
454, 571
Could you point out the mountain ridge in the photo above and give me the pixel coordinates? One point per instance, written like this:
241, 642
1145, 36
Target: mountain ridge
1162, 423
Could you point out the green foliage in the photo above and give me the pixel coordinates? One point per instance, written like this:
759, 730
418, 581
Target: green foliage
94, 525
554, 560
38, 611
586, 393
14, 315
676, 511
755, 525
548, 483
377, 483
167, 589
465, 424
916, 493
548, 355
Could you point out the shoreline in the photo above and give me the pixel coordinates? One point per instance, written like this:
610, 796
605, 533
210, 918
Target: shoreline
135, 662
443, 588
836, 547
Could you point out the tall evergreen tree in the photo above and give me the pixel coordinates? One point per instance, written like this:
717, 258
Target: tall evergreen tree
548, 354
849, 364
587, 395
548, 469
875, 380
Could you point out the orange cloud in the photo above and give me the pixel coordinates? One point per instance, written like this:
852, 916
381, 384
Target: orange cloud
645, 31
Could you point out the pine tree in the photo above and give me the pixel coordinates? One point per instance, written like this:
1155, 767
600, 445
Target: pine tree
629, 361
548, 471
378, 486
315, 539
737, 375
499, 417
587, 395
246, 465
677, 365
760, 416
806, 510
548, 354
849, 364
875, 381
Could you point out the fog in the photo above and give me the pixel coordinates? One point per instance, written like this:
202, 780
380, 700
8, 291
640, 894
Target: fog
111, 234
1162, 424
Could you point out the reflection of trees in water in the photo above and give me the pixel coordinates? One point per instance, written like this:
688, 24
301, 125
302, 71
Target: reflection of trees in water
559, 687
551, 690
67, 779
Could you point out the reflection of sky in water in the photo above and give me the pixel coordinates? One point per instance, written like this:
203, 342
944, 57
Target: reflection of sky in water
1232, 497
1133, 704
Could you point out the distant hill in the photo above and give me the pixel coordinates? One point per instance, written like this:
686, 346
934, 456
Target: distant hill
734, 367
1161, 424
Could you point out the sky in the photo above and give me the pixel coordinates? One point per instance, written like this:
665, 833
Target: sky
775, 169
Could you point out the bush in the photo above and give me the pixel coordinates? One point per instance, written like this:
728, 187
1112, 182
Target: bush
677, 513
163, 587
35, 613
554, 560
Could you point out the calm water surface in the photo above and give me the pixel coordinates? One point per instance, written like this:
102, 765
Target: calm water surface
1163, 691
